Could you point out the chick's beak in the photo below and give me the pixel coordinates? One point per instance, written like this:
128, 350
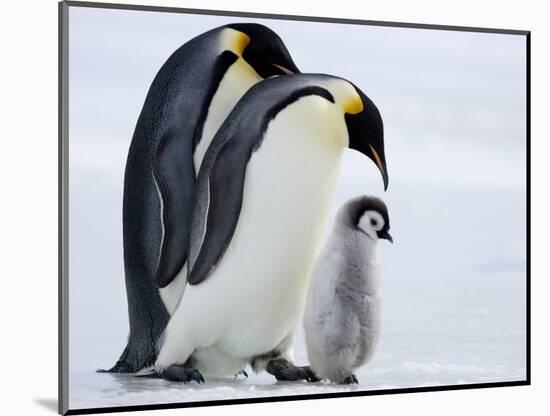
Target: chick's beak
385, 236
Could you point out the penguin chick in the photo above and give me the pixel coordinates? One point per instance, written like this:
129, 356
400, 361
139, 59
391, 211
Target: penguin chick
342, 315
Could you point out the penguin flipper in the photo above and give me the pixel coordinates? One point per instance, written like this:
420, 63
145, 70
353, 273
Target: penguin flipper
174, 175
217, 207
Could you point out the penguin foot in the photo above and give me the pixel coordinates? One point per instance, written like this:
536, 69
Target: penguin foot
182, 373
134, 358
284, 370
242, 373
350, 380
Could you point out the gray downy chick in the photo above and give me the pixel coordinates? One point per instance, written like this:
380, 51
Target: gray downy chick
342, 315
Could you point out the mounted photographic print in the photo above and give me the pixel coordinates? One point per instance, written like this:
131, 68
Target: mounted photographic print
265, 207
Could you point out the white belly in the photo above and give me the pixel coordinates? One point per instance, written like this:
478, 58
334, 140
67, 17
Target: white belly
256, 295
212, 362
236, 81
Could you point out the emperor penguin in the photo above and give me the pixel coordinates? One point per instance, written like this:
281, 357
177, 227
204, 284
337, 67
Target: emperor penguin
262, 197
189, 98
342, 315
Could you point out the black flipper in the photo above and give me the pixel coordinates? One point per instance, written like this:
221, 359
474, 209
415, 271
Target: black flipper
175, 177
176, 103
222, 213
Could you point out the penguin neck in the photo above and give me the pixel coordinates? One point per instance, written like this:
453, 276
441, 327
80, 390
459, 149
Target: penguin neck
357, 243
233, 40
238, 78
363, 251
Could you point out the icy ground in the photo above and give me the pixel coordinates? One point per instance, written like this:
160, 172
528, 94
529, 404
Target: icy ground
463, 324
402, 365
105, 390
449, 315
453, 291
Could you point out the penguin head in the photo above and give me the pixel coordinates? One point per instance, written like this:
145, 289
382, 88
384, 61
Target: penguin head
265, 51
368, 215
366, 131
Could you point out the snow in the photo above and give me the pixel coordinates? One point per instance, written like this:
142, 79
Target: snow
465, 328
453, 283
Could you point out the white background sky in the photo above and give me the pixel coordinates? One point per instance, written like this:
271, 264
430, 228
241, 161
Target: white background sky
36, 72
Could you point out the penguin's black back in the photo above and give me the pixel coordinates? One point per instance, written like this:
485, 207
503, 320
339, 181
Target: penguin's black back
176, 104
174, 101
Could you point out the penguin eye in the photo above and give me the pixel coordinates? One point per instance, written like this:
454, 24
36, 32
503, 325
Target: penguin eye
373, 222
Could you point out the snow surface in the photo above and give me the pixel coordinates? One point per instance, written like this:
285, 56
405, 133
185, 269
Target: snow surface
453, 284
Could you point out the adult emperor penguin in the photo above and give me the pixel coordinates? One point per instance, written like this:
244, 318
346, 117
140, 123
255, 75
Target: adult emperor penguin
191, 95
262, 197
342, 315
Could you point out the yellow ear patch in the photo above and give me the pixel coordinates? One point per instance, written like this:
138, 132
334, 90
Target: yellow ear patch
353, 105
241, 41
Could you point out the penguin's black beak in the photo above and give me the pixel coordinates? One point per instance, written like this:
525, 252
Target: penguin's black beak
270, 61
286, 71
384, 235
282, 63
264, 50
366, 134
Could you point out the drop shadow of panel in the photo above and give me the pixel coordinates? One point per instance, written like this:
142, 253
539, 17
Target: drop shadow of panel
49, 404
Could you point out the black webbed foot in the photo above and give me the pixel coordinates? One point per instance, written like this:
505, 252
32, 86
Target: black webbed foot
284, 370
184, 374
350, 380
242, 373
311, 376
136, 355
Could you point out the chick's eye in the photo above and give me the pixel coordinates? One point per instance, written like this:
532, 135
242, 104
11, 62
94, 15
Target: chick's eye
373, 222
